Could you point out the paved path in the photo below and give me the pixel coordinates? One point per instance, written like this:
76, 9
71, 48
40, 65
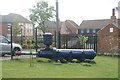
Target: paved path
8, 57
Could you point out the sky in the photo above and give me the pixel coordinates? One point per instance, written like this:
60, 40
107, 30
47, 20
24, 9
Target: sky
76, 10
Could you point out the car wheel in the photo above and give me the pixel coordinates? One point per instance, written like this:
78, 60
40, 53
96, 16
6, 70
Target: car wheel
16, 49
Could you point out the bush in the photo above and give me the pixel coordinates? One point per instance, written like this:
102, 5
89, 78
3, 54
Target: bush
82, 40
34, 46
24, 46
33, 41
40, 40
19, 41
28, 41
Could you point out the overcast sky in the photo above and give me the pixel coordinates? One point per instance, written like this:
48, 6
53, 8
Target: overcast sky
76, 10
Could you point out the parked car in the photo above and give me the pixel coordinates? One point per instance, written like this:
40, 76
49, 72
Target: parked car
5, 46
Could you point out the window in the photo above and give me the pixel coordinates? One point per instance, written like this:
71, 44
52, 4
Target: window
29, 24
9, 27
111, 29
0, 39
88, 31
26, 24
82, 31
4, 40
94, 31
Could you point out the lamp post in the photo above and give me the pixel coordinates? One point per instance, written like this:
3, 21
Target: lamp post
10, 26
36, 38
24, 34
57, 21
21, 35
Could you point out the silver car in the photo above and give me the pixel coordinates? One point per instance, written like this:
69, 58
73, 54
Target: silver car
5, 46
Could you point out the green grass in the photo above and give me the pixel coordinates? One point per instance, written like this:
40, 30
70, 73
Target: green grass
0, 69
105, 67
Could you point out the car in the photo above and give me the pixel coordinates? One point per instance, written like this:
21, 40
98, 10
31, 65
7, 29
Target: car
5, 46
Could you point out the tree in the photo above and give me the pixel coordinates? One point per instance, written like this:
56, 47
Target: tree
16, 28
40, 13
82, 40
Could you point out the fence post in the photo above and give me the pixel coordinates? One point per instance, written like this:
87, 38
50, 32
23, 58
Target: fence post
66, 41
59, 40
96, 42
90, 42
55, 37
94, 37
36, 40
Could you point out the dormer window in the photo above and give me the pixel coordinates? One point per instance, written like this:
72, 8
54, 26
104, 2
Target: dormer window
88, 31
82, 31
94, 31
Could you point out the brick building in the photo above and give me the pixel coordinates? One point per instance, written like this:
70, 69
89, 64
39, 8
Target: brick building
109, 39
107, 30
52, 26
25, 24
69, 27
91, 27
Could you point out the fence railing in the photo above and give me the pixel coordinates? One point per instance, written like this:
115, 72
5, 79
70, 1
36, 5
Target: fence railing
72, 41
69, 41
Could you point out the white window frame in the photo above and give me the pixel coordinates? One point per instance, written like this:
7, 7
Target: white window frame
82, 31
88, 30
94, 31
111, 29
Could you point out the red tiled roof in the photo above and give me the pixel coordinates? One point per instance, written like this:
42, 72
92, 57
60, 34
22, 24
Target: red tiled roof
11, 17
69, 27
90, 24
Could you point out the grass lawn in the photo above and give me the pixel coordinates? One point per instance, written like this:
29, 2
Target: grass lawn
104, 67
0, 69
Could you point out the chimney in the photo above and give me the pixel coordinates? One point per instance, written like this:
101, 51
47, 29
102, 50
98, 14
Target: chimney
113, 14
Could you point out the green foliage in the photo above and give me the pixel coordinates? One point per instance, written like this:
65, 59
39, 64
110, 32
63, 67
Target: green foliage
31, 42
28, 41
25, 46
19, 42
16, 27
40, 40
83, 40
40, 13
